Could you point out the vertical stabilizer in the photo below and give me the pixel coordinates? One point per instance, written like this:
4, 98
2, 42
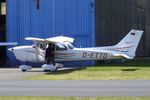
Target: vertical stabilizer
130, 42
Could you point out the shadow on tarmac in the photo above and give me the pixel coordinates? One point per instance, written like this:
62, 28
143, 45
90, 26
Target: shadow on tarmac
59, 71
65, 71
130, 69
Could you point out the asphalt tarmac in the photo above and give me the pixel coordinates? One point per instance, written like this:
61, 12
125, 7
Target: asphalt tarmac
75, 88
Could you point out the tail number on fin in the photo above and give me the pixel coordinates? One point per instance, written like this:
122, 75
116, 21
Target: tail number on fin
94, 55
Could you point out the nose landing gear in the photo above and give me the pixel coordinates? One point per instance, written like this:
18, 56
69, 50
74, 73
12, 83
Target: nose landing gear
25, 67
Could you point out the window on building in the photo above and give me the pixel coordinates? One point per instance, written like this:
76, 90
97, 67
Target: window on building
3, 8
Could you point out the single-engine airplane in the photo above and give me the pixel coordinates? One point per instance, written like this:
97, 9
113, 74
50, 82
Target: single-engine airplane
53, 51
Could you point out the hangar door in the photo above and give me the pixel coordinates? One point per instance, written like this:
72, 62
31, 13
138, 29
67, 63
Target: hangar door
3, 58
47, 18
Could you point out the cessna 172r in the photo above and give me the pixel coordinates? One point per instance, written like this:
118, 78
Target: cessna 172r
59, 49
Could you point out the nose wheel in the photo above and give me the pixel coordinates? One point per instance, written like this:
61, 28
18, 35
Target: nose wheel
25, 68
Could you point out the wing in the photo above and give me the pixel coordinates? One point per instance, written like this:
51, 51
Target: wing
8, 43
35, 39
58, 39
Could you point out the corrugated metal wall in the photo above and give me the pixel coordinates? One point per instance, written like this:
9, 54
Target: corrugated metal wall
115, 18
74, 18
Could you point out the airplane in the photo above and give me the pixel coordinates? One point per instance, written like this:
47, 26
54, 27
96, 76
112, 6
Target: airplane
56, 50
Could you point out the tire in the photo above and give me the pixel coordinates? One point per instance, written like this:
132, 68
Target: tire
47, 70
23, 70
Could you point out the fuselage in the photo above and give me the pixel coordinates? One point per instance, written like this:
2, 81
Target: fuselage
32, 54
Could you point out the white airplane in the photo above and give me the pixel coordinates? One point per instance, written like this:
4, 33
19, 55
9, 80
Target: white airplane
53, 51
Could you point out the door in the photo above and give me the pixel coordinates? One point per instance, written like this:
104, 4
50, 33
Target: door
50, 54
3, 58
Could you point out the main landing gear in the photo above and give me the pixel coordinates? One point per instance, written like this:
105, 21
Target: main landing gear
51, 67
46, 67
49, 58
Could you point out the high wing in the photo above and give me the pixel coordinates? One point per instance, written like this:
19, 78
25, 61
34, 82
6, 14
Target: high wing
8, 43
34, 39
58, 39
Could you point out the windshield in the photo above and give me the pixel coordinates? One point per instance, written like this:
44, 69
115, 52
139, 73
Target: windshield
70, 46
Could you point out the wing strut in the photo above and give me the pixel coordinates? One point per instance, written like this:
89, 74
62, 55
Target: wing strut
36, 50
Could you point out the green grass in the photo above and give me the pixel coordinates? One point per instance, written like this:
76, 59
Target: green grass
70, 98
134, 62
138, 69
97, 73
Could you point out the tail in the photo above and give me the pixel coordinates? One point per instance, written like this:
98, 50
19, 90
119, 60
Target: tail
129, 43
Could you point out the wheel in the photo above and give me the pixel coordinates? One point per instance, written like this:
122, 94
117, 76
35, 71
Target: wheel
23, 70
56, 69
47, 70
25, 67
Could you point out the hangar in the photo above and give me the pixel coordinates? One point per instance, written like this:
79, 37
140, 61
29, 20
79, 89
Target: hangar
47, 18
3, 58
90, 22
114, 18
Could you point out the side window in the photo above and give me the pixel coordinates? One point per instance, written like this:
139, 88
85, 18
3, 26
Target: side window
60, 46
41, 46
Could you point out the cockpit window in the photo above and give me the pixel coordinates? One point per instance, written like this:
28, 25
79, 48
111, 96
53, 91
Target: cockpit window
60, 46
70, 45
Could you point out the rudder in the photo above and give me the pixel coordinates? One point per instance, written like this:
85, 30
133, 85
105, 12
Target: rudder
130, 42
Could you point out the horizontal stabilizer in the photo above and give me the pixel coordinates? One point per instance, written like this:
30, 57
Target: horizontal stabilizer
122, 56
